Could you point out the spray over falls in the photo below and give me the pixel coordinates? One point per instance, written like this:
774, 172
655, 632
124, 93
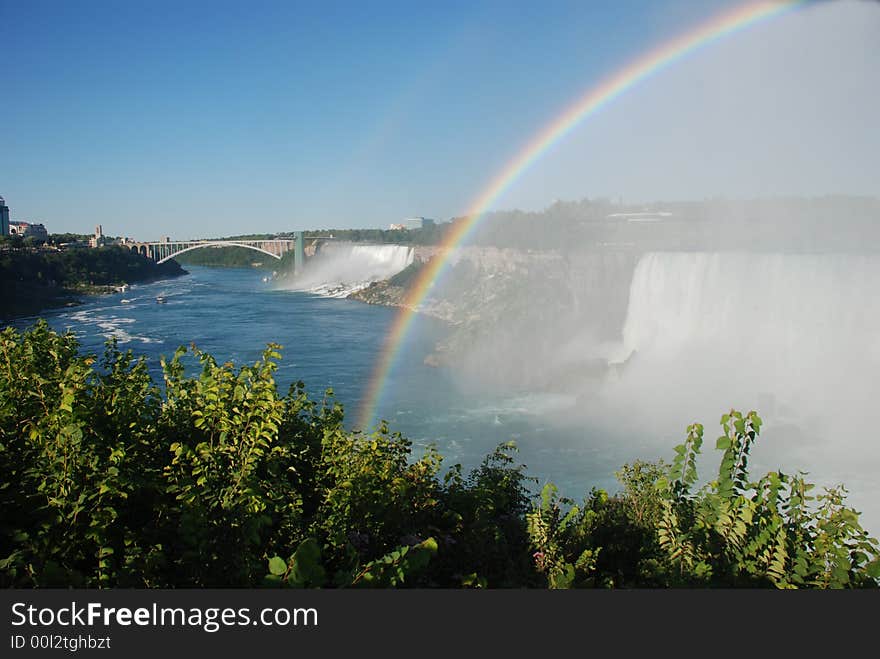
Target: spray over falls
338, 270
784, 307
797, 335
640, 344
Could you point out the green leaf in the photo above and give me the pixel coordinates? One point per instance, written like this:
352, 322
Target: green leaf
277, 566
307, 569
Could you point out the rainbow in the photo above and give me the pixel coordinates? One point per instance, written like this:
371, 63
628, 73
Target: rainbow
586, 106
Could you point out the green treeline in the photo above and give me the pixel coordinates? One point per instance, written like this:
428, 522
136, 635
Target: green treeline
216, 479
429, 235
34, 279
227, 257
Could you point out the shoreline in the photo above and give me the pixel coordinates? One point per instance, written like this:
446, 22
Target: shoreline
34, 281
37, 299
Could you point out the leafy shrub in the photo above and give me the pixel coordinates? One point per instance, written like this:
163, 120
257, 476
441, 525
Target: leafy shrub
731, 532
734, 531
214, 479
109, 480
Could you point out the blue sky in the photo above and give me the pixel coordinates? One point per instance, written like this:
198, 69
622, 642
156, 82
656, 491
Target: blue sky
207, 119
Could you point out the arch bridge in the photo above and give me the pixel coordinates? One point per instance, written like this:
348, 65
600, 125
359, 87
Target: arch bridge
167, 249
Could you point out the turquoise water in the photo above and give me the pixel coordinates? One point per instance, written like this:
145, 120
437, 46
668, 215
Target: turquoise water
333, 343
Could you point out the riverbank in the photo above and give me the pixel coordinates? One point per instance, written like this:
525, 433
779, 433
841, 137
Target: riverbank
32, 281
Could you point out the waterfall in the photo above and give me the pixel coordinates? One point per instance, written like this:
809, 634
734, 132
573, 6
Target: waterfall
788, 310
340, 269
794, 336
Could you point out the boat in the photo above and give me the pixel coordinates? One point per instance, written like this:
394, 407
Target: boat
160, 299
124, 301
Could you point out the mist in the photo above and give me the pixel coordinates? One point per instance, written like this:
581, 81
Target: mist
340, 269
786, 107
635, 339
740, 267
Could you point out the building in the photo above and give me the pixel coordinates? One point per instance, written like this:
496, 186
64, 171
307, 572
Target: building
418, 223
19, 228
412, 223
98, 240
4, 218
28, 230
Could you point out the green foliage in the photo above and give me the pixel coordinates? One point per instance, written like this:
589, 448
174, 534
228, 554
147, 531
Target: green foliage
31, 280
736, 532
73, 459
485, 540
67, 238
109, 480
549, 527
607, 542
302, 570
227, 257
226, 472
394, 568
429, 235
215, 479
660, 531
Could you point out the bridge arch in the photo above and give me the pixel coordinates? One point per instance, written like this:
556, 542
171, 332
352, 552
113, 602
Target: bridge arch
215, 244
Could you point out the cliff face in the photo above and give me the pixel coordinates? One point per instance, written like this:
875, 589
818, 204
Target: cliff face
477, 277
536, 319
381, 292
521, 316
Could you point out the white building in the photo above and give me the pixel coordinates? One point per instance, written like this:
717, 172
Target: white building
412, 223
28, 229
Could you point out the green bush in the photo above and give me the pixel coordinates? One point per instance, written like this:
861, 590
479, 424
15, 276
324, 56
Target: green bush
738, 532
108, 479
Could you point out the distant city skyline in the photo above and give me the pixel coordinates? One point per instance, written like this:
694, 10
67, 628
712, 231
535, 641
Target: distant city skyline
203, 119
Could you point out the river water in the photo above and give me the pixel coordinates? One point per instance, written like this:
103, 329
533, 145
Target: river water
334, 343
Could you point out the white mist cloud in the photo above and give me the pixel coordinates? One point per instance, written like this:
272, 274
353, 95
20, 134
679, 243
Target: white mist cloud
788, 107
340, 269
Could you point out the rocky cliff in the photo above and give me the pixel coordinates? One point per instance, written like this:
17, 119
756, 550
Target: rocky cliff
522, 315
